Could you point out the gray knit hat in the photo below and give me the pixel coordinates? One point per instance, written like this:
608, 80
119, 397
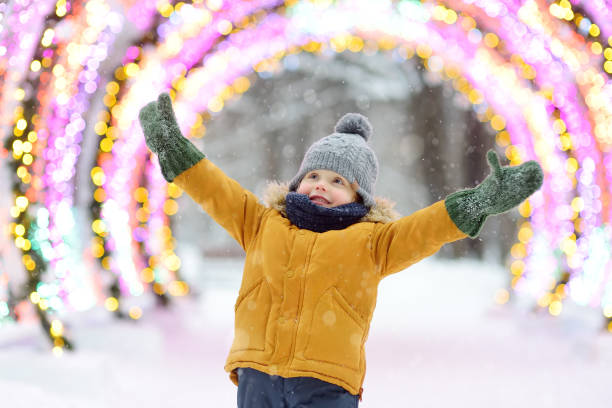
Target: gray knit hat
346, 152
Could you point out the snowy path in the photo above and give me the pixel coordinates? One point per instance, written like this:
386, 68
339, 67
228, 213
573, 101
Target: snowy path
437, 340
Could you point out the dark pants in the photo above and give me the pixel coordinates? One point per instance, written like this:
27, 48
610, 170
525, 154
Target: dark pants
260, 390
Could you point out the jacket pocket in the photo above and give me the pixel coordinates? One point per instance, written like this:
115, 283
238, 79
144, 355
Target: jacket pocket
252, 315
337, 332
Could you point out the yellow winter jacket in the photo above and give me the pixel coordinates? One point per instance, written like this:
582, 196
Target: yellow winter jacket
306, 299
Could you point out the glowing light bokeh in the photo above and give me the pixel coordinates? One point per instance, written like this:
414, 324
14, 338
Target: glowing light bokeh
538, 72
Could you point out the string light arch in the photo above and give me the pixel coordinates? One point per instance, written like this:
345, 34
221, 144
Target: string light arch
538, 72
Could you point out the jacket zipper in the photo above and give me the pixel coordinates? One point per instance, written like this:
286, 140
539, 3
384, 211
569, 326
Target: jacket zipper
301, 301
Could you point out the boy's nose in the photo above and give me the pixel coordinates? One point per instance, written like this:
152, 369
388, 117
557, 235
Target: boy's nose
320, 186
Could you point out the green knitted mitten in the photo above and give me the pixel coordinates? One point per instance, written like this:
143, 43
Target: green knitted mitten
505, 188
163, 136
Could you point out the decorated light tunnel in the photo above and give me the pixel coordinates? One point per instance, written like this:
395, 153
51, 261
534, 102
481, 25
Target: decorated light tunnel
539, 73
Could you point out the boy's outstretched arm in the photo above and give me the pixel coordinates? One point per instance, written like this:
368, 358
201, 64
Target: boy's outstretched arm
401, 243
231, 206
505, 188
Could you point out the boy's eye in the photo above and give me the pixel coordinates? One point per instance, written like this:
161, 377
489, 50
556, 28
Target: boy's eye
312, 175
338, 180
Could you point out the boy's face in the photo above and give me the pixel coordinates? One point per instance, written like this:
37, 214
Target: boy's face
327, 188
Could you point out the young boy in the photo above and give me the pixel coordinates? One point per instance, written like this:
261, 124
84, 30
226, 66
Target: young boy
316, 253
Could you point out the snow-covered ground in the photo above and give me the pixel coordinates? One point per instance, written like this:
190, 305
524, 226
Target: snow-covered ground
437, 340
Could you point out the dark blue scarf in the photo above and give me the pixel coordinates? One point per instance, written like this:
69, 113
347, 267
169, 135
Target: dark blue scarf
305, 214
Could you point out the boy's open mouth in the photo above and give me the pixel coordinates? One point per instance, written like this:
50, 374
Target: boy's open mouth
319, 200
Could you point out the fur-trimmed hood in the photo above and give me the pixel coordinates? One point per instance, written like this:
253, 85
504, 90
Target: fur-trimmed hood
382, 211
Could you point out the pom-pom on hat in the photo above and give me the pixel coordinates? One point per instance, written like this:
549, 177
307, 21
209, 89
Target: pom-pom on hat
346, 151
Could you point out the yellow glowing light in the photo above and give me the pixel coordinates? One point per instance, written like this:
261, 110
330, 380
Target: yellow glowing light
142, 215
34, 297
135, 312
106, 262
503, 138
518, 251
423, 51
215, 104
22, 202
525, 209
165, 9
566, 141
30, 265
43, 304
35, 66
498, 123
555, 308
21, 124
60, 8
19, 230
339, 43
14, 211
57, 328
99, 195
132, 69
27, 159
170, 207
32, 136
27, 147
141, 194
594, 30
224, 27
450, 17
502, 296
174, 191
610, 327
517, 267
27, 245
571, 165
100, 128
559, 126
47, 38
159, 288
529, 72
596, 48
19, 242
97, 176
111, 304
476, 97
491, 40
568, 246
227, 93
112, 132
98, 226
97, 250
106, 145
608, 67
355, 44
22, 172
120, 74
178, 288
468, 23
608, 311
147, 275
241, 84
438, 12
58, 351
525, 234
578, 204
112, 87
172, 262
545, 300
109, 100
